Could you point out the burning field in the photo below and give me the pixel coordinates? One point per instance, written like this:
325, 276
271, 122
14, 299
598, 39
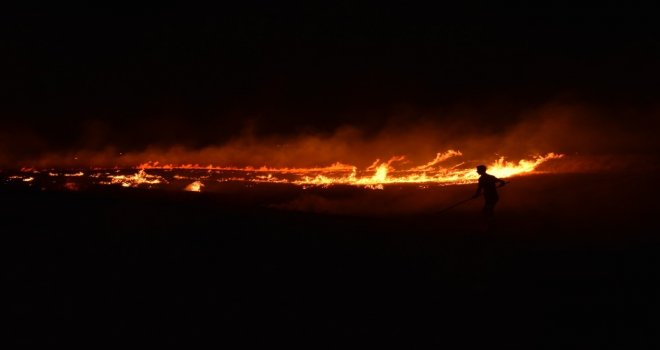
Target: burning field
280, 239
434, 165
421, 156
131, 252
268, 174
156, 176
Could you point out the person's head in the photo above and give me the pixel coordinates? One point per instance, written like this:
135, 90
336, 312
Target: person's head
481, 169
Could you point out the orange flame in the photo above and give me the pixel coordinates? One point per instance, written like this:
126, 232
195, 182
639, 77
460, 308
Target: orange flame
134, 180
374, 176
396, 170
195, 186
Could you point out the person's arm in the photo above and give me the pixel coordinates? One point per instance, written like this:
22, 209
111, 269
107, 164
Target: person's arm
501, 182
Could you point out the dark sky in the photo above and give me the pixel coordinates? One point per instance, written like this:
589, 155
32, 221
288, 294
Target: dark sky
91, 77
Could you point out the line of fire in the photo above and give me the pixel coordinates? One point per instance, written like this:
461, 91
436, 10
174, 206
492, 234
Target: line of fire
447, 168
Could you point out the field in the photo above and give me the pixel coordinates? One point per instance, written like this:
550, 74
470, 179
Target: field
567, 260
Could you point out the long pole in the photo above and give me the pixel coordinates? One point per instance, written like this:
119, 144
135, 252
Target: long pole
455, 205
464, 201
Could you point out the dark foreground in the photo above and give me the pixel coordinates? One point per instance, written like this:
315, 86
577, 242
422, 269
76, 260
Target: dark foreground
135, 267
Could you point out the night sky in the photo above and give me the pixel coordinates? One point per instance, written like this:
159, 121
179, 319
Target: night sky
94, 77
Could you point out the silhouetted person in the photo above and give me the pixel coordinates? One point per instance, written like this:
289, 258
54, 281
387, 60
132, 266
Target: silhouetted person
488, 185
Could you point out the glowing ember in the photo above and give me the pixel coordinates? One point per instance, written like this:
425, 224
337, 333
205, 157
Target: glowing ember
21, 178
71, 186
195, 187
80, 173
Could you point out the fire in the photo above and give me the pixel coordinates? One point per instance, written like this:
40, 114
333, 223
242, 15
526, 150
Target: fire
336, 167
431, 172
446, 168
377, 174
195, 187
80, 173
134, 180
21, 178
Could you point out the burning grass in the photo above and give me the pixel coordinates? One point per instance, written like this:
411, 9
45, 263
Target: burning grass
447, 168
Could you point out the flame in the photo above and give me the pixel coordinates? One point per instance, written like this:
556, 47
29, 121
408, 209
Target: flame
377, 174
336, 167
195, 186
385, 173
134, 180
396, 170
22, 178
80, 173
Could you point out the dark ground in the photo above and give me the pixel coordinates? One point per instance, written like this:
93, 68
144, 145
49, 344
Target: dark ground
573, 263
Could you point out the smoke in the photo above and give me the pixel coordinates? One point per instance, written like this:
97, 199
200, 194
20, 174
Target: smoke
571, 129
